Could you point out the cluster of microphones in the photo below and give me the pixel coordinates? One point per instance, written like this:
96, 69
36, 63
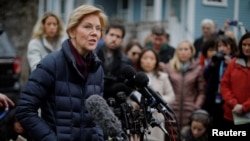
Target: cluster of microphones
119, 127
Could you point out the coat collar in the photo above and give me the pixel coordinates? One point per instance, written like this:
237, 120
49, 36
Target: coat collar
70, 58
241, 62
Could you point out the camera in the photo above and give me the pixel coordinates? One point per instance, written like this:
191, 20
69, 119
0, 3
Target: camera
219, 56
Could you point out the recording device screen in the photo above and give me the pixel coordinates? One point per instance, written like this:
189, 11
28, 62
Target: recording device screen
233, 23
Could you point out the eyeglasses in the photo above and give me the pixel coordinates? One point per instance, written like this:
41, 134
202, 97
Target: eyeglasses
136, 53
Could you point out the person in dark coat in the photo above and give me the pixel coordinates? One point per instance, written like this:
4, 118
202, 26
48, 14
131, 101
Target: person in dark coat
208, 29
226, 49
62, 82
159, 41
113, 58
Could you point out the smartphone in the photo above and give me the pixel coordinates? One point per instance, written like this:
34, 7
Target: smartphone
233, 23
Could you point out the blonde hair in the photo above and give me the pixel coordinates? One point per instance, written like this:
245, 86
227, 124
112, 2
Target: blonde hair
175, 62
39, 31
79, 13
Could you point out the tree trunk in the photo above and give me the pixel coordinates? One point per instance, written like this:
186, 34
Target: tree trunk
17, 18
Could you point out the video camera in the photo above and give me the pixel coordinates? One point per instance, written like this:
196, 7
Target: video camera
218, 57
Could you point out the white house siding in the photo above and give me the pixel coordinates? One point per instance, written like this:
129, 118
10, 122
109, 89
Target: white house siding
244, 13
181, 17
235, 10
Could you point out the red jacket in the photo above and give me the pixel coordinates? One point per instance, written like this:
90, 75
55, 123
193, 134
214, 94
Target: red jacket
235, 87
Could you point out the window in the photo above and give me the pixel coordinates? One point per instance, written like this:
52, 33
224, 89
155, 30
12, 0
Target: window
221, 3
45, 6
148, 9
123, 9
63, 10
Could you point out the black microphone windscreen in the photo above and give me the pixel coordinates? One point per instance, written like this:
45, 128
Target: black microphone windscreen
119, 87
103, 115
128, 72
141, 80
111, 101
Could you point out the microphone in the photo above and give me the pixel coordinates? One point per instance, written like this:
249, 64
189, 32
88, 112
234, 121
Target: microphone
135, 96
129, 74
122, 92
141, 83
104, 116
121, 87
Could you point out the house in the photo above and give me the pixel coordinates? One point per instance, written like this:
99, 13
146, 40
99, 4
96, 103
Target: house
181, 18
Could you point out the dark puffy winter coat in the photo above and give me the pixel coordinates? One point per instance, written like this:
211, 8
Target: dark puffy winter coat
59, 89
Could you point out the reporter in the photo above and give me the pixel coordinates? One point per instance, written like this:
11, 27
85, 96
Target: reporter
213, 73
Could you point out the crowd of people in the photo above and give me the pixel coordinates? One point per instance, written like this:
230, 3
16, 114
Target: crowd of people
199, 80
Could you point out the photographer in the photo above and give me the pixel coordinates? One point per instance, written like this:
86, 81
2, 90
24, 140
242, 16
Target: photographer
226, 49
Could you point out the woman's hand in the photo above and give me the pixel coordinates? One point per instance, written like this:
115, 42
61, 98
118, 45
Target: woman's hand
238, 109
227, 59
18, 127
5, 102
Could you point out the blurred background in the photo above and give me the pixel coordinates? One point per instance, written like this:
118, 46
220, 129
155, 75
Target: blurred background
181, 18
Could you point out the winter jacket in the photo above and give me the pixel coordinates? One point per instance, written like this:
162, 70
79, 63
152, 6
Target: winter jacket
235, 87
166, 53
113, 73
39, 48
162, 85
59, 89
189, 88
